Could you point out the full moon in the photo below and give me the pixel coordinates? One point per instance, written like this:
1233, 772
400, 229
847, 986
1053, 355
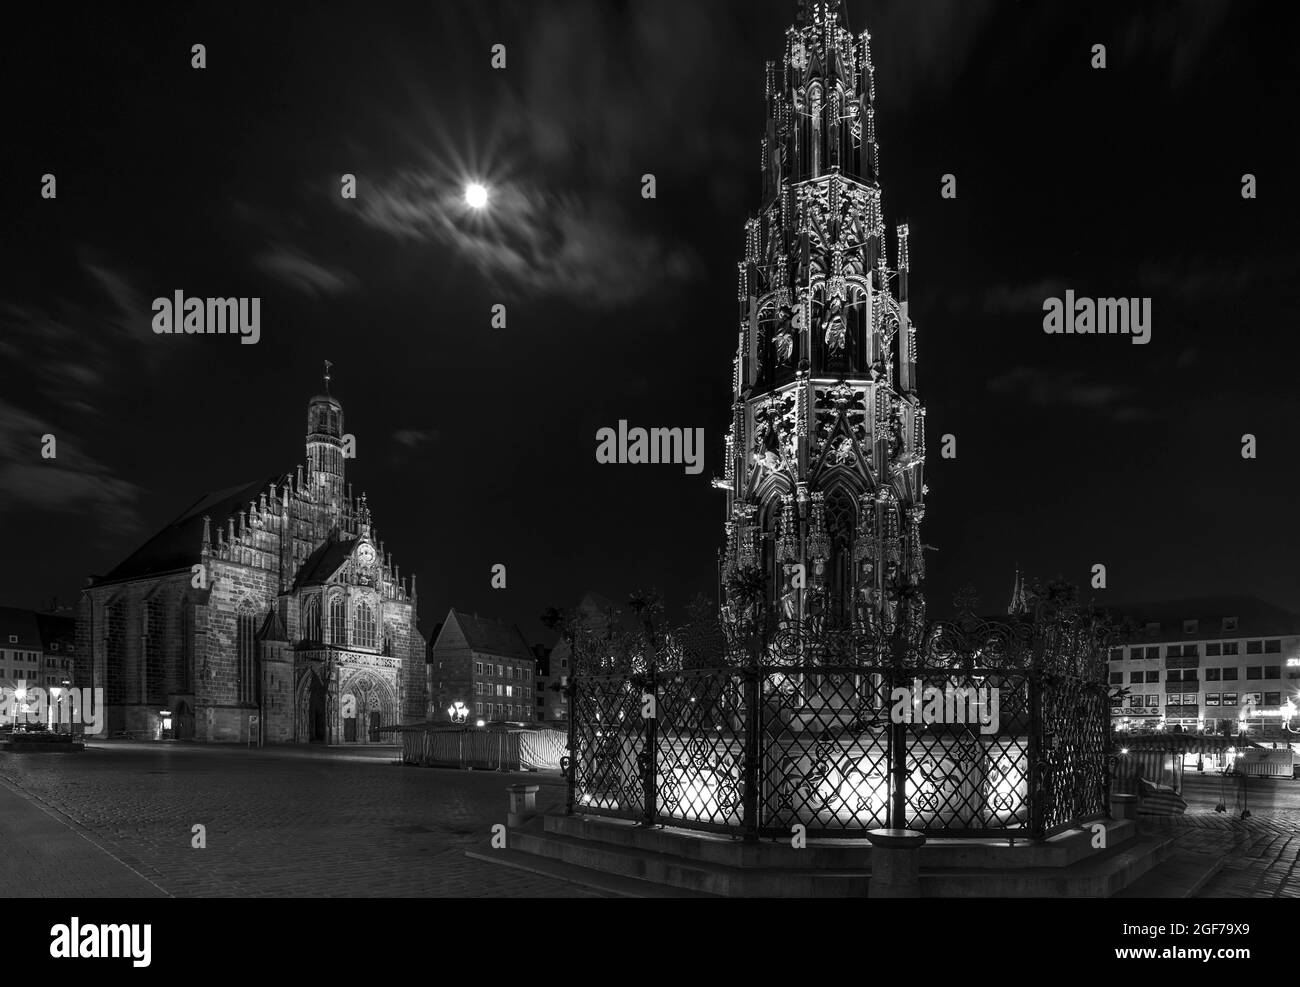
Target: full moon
476, 195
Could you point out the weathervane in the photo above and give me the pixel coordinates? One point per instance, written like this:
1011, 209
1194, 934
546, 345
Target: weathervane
327, 376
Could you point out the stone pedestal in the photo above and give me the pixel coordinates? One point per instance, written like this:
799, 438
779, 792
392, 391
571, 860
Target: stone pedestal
1123, 806
523, 804
895, 863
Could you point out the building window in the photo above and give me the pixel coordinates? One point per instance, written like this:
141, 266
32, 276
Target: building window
1211, 699
478, 668
1273, 647
500, 687
1174, 677
1213, 650
500, 673
478, 709
1211, 675
54, 645
1231, 647
1254, 672
1272, 699
1137, 653
338, 620
363, 626
510, 692
1230, 675
245, 630
1153, 675
1272, 671
1189, 626
1116, 678
13, 638
1254, 647
187, 646
311, 619
564, 662
1116, 654
1252, 698
1229, 623
1230, 699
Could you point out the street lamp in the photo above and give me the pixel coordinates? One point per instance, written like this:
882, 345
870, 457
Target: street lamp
476, 195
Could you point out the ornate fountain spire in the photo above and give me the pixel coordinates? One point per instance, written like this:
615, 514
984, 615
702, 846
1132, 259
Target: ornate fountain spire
826, 450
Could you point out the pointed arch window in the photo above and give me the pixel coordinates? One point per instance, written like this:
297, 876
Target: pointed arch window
115, 652
338, 620
245, 644
311, 629
363, 626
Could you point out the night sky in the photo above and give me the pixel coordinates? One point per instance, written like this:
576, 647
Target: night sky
476, 445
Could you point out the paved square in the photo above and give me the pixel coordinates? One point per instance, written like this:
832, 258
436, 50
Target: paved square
336, 823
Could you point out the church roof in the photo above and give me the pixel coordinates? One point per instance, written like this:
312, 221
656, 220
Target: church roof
272, 627
178, 545
324, 562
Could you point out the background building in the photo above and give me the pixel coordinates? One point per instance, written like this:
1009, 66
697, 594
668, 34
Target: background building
268, 611
1228, 665
484, 664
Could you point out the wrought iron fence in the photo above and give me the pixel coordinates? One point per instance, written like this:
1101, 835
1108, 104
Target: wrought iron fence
971, 728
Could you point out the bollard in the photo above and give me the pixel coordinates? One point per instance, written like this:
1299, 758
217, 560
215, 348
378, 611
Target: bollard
1123, 806
523, 804
895, 863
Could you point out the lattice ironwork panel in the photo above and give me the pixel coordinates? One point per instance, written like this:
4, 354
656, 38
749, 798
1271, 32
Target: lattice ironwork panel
1075, 742
823, 750
967, 751
700, 756
610, 735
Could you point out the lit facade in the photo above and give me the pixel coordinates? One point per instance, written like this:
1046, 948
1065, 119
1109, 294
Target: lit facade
1228, 666
486, 666
267, 612
825, 453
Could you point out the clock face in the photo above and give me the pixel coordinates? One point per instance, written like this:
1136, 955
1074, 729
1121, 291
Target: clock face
798, 55
365, 555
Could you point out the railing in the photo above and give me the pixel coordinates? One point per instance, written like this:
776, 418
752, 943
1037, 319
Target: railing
961, 735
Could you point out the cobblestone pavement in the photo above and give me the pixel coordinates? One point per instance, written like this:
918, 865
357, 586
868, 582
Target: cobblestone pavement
354, 823
338, 823
1263, 852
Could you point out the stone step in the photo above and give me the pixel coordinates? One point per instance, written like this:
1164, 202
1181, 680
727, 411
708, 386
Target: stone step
835, 854
610, 884
1099, 876
1181, 875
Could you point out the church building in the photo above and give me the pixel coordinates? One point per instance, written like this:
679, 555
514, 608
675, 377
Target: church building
267, 612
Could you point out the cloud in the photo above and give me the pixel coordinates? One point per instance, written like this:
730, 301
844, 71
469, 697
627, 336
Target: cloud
585, 249
1054, 388
64, 355
72, 483
295, 269
1017, 299
414, 438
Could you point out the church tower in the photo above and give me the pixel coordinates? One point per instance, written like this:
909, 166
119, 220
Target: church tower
826, 449
325, 450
